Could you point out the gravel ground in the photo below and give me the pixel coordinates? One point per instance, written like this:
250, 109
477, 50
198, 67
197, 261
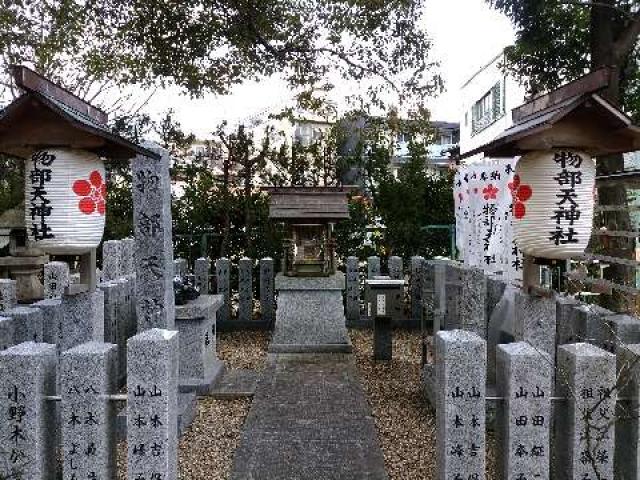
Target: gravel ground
406, 423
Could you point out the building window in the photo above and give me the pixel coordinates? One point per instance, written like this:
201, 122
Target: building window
488, 109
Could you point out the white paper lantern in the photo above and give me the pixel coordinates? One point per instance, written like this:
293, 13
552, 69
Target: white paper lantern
65, 200
553, 202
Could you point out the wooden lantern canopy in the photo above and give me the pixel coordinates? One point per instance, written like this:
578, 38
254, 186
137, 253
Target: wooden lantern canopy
309, 215
557, 135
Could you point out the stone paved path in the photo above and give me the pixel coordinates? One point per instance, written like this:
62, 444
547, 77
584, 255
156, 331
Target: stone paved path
309, 420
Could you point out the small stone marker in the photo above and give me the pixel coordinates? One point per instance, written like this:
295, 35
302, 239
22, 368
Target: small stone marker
382, 338
267, 289
352, 291
524, 380
154, 245
28, 426
180, 267
27, 324
7, 294
111, 260
152, 403
245, 289
56, 279
83, 318
52, 321
535, 322
201, 269
460, 411
87, 376
223, 280
627, 453
585, 435
415, 288
6, 333
373, 267
395, 268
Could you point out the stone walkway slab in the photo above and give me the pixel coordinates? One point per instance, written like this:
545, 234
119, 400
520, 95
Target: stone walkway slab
309, 420
236, 383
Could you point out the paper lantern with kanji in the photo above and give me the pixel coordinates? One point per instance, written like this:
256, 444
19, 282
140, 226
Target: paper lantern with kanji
553, 203
65, 200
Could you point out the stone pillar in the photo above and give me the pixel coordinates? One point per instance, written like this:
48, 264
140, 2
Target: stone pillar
373, 267
396, 271
223, 280
460, 410
52, 320
27, 324
627, 452
495, 289
152, 402
7, 294
245, 289
6, 333
524, 416
590, 323
28, 426
128, 251
87, 376
201, 274
56, 279
267, 299
565, 320
111, 260
415, 289
155, 302
535, 322
621, 330
83, 318
585, 435
382, 338
180, 267
466, 291
352, 291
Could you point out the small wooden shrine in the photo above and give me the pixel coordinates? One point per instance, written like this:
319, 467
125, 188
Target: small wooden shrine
309, 215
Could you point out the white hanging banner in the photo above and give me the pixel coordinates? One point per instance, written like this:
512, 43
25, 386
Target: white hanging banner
484, 194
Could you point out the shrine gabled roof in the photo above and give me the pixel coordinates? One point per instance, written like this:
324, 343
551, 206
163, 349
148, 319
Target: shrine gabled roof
309, 203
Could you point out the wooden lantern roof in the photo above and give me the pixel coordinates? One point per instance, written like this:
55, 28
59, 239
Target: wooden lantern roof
47, 115
309, 204
574, 116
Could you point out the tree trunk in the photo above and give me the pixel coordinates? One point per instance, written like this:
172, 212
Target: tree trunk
227, 216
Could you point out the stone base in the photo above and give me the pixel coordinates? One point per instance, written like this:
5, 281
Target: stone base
236, 383
187, 410
317, 348
332, 282
202, 386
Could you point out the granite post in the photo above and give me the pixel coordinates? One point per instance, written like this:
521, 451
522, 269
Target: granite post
621, 330
128, 252
223, 281
267, 290
590, 323
460, 410
627, 453
415, 288
373, 267
52, 321
524, 379
466, 291
111, 260
7, 294
245, 289
27, 324
382, 338
82, 318
180, 267
28, 426
585, 436
201, 275
152, 403
535, 322
396, 271
88, 417
565, 320
154, 253
6, 333
56, 279
352, 291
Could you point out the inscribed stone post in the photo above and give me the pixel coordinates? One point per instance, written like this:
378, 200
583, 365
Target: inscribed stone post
460, 410
52, 320
627, 453
152, 402
223, 280
111, 260
352, 291
56, 279
535, 322
245, 290
7, 294
524, 379
201, 275
155, 301
415, 288
373, 267
82, 318
395, 268
585, 435
267, 299
27, 324
28, 426
88, 417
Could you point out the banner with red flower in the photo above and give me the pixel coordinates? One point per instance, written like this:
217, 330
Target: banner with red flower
487, 195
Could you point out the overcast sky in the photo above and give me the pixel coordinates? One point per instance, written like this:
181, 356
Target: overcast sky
466, 35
